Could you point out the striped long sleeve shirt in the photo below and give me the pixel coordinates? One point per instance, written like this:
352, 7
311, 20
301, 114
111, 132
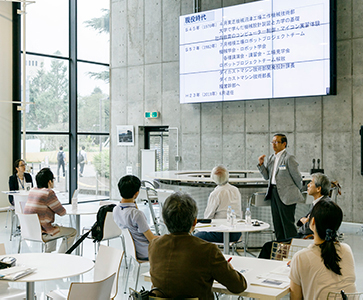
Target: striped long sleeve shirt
45, 203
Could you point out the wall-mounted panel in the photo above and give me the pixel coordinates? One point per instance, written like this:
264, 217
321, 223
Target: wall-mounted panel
234, 151
233, 115
153, 31
119, 31
257, 116
135, 30
171, 13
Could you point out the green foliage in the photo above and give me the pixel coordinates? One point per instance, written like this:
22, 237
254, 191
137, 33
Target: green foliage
49, 93
101, 24
101, 162
94, 112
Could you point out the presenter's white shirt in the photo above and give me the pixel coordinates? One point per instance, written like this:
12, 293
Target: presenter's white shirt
276, 162
316, 281
219, 200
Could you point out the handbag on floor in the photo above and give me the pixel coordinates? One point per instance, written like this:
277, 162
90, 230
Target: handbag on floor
143, 294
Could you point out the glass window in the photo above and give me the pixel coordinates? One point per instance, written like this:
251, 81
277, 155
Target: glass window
93, 166
93, 98
44, 151
93, 30
47, 27
160, 142
47, 89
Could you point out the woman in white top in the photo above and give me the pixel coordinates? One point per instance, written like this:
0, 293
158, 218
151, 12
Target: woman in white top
327, 265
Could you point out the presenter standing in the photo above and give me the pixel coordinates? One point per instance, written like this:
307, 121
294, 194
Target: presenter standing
284, 186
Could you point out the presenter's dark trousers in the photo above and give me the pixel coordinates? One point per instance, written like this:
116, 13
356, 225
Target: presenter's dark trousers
283, 216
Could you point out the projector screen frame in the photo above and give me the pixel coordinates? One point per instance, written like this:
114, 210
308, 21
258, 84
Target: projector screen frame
332, 64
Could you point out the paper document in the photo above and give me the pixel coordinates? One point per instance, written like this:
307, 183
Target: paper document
271, 282
15, 273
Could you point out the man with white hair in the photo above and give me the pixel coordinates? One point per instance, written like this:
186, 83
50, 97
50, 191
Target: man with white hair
223, 195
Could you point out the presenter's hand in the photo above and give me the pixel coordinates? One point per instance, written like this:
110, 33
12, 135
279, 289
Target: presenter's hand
261, 159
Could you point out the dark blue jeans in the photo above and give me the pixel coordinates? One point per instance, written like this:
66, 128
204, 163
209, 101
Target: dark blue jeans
217, 237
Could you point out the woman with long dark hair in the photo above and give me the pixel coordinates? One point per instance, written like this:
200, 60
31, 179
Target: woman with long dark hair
327, 265
18, 180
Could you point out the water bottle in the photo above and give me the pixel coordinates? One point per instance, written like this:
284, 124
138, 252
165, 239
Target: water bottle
248, 216
229, 211
233, 218
74, 203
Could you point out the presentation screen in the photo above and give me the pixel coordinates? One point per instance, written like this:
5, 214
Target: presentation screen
264, 49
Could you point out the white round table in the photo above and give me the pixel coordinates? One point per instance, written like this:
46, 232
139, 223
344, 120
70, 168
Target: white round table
82, 209
221, 225
50, 266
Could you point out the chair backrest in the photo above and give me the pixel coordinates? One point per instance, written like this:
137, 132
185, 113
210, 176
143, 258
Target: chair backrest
298, 244
129, 243
349, 296
2, 249
108, 261
75, 194
110, 228
98, 290
30, 227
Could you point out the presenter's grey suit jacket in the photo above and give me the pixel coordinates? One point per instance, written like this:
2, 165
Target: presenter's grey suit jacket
288, 178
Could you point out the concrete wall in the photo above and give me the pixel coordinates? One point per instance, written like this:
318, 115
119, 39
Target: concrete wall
5, 95
145, 75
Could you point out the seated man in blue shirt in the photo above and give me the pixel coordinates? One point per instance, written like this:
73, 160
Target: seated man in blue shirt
127, 215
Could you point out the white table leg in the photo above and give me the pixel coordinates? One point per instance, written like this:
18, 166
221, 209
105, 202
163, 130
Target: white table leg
30, 291
226, 242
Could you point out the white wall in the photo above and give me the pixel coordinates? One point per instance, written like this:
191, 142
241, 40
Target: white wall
5, 95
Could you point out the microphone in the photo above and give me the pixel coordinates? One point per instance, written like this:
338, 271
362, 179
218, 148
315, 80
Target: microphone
313, 163
318, 163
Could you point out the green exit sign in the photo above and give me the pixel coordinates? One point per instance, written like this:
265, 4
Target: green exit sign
151, 114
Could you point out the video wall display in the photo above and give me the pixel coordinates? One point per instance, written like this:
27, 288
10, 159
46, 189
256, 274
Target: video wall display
258, 50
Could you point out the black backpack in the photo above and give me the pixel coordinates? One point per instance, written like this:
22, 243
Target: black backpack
97, 228
80, 158
60, 156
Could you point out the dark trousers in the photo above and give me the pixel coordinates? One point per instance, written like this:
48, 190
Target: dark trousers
283, 216
61, 164
217, 237
81, 167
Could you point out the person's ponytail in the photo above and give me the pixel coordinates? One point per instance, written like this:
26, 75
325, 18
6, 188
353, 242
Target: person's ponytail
328, 217
329, 252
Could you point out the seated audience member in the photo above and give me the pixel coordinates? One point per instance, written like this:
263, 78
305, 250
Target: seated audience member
223, 195
184, 265
327, 265
127, 215
19, 178
319, 188
43, 201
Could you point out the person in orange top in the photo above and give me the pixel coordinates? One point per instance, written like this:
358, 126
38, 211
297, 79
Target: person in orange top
43, 201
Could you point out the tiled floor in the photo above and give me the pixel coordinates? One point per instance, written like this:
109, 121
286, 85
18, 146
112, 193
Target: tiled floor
353, 236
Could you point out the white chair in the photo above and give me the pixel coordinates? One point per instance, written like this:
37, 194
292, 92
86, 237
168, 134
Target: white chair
31, 230
130, 252
110, 231
298, 244
97, 290
7, 292
349, 296
108, 261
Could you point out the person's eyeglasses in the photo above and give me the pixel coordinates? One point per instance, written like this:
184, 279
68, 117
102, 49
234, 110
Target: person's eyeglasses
23, 165
275, 142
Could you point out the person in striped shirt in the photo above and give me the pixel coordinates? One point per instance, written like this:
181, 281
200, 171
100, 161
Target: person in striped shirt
43, 201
